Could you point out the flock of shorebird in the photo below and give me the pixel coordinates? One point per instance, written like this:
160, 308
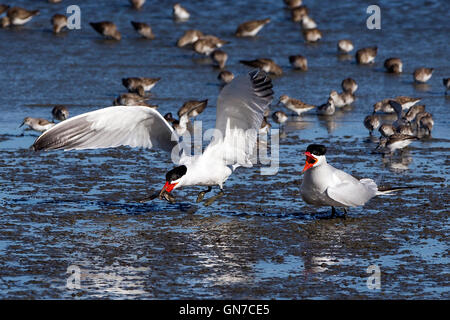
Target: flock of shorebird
412, 121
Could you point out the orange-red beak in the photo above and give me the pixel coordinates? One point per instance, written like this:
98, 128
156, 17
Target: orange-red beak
168, 187
310, 161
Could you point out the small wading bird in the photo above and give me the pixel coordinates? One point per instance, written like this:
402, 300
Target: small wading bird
422, 75
180, 13
251, 28
106, 28
59, 21
240, 109
267, 65
143, 29
299, 62
345, 45
295, 105
349, 85
393, 65
37, 124
139, 84
60, 113
225, 76
19, 16
324, 185
189, 37
366, 55
137, 4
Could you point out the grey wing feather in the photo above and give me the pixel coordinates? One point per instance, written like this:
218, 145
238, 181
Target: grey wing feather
243, 101
133, 126
240, 109
353, 193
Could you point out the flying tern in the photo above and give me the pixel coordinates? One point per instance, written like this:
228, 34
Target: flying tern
240, 109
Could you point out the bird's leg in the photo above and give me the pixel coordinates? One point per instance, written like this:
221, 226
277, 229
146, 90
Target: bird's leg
209, 201
201, 194
333, 212
345, 214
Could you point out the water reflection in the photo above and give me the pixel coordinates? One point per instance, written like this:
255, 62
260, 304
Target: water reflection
423, 87
398, 163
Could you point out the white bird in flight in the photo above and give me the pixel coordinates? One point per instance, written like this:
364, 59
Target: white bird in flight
324, 185
240, 108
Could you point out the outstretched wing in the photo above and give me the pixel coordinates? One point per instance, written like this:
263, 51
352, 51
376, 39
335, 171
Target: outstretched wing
240, 109
134, 126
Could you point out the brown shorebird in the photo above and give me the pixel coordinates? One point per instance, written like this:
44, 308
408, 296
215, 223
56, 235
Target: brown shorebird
327, 109
192, 108
425, 122
180, 13
265, 126
349, 85
343, 99
137, 4
59, 21
267, 65
312, 35
298, 13
143, 29
207, 44
60, 113
308, 22
295, 105
225, 76
180, 126
190, 36
106, 28
220, 57
395, 141
446, 82
131, 99
54, 1
366, 55
293, 3
405, 129
387, 130
139, 84
422, 75
345, 45
279, 117
413, 112
37, 124
299, 62
393, 65
405, 102
251, 28
19, 16
371, 122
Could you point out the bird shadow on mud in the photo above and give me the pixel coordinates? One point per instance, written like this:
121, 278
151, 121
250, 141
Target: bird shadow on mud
137, 208
123, 206
322, 215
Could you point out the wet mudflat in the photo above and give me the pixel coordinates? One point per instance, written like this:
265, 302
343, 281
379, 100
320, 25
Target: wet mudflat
81, 208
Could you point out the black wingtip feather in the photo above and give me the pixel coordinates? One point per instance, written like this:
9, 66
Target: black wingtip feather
262, 83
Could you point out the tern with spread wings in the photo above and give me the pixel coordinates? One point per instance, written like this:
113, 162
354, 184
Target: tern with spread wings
240, 109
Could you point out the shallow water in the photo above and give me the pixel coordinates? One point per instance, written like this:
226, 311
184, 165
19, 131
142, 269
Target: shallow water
260, 240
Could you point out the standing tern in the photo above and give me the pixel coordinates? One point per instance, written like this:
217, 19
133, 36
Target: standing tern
324, 185
240, 108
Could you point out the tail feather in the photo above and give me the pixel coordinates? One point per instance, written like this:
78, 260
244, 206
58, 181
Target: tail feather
385, 190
